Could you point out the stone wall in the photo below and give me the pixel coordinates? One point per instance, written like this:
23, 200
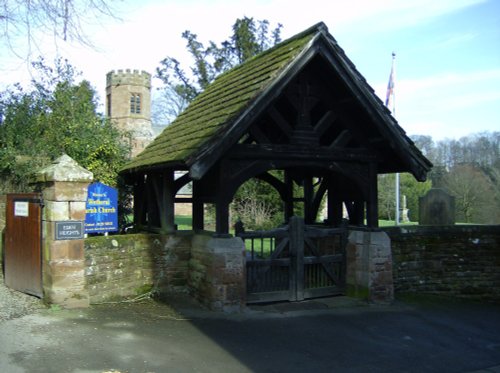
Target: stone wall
217, 275
459, 261
125, 266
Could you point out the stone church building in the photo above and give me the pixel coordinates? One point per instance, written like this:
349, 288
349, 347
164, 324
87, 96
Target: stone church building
128, 105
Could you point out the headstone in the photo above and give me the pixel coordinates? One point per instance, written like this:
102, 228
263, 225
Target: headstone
437, 207
404, 211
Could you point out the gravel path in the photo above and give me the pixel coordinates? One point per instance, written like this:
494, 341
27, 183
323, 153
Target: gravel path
14, 304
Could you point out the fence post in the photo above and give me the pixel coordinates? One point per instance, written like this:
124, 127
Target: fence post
296, 231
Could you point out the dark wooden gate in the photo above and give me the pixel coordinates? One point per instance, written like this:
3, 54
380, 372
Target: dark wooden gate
294, 263
23, 260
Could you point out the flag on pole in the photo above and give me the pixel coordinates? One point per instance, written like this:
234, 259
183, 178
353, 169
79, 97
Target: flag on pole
390, 102
389, 98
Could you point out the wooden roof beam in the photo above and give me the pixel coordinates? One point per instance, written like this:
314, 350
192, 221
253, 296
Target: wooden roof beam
280, 121
302, 153
325, 122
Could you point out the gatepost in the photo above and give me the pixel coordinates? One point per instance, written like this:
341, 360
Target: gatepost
64, 189
369, 266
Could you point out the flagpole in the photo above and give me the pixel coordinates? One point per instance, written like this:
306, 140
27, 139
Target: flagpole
391, 101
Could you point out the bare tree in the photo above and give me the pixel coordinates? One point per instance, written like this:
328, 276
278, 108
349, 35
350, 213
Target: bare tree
64, 19
474, 193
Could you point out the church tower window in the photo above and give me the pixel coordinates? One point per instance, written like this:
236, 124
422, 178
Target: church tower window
135, 103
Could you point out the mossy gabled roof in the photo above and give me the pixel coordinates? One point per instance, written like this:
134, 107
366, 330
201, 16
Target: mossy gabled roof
220, 105
218, 117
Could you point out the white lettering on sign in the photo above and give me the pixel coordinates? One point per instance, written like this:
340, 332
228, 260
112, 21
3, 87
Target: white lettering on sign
21, 209
69, 230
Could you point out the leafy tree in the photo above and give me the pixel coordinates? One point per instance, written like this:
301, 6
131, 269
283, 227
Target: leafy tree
250, 37
386, 196
408, 187
56, 116
413, 190
257, 205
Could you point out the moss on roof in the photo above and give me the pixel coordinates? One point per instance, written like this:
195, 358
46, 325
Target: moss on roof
220, 104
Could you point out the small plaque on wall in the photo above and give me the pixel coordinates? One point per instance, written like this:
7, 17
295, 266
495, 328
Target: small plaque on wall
69, 230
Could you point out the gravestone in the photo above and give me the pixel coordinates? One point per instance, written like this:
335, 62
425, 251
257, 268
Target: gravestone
437, 207
404, 211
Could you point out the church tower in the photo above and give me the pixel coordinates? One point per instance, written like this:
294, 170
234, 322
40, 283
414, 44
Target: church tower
128, 105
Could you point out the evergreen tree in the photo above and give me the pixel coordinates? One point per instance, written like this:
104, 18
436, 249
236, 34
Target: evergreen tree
249, 38
56, 116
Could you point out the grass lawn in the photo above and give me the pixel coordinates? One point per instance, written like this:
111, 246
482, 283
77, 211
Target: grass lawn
392, 223
184, 222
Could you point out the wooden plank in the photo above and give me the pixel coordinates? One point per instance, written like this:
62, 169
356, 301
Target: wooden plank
198, 210
294, 153
309, 213
280, 121
327, 270
322, 232
274, 296
372, 203
336, 258
258, 135
296, 228
323, 292
273, 233
342, 139
282, 262
325, 122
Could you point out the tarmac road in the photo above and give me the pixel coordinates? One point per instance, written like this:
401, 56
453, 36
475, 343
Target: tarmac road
329, 335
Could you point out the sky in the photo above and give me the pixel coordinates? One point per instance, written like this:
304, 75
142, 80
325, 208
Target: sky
447, 82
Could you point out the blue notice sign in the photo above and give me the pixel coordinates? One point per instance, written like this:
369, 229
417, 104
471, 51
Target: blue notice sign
101, 209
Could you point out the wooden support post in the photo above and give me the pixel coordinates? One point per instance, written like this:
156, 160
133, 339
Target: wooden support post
139, 201
223, 198
358, 217
372, 203
151, 207
289, 196
334, 204
164, 185
198, 210
296, 232
222, 218
308, 201
169, 203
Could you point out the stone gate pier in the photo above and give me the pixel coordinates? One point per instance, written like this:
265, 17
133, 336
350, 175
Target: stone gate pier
63, 185
369, 266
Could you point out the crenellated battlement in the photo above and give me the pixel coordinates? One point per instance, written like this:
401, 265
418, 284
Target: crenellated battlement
128, 77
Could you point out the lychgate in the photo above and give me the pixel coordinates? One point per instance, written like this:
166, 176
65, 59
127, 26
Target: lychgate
297, 115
